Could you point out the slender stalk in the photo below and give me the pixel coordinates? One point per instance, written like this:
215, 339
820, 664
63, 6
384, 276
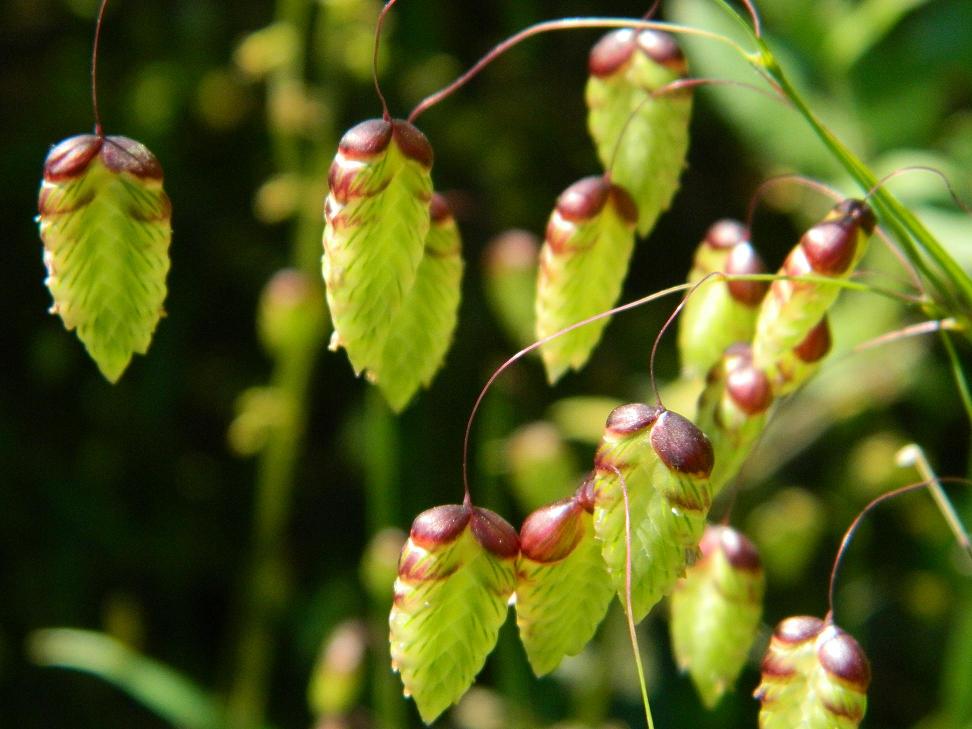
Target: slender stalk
957, 374
98, 130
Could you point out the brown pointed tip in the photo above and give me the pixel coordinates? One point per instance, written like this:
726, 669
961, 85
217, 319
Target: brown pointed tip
662, 48
440, 525
798, 629
625, 205
744, 261
749, 388
584, 199
412, 142
551, 532
843, 657
611, 52
71, 157
740, 552
831, 246
857, 211
439, 209
494, 533
121, 154
816, 344
514, 250
366, 139
585, 495
630, 418
726, 233
681, 446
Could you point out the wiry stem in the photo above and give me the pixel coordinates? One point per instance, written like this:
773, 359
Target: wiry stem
374, 58
99, 131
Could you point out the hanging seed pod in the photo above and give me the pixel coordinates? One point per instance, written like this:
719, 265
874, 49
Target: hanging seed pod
422, 330
455, 576
105, 222
583, 262
719, 313
641, 139
814, 676
510, 266
801, 363
716, 610
563, 589
733, 409
377, 219
665, 462
832, 248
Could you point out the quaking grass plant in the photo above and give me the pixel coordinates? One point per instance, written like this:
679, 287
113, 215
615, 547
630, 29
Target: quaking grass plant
637, 527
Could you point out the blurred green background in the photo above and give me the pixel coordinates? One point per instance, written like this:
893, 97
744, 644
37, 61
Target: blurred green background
130, 510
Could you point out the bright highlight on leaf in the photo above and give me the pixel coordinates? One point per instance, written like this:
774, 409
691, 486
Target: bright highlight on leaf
665, 462
814, 676
716, 610
105, 222
563, 589
791, 309
422, 330
377, 219
455, 576
641, 139
583, 262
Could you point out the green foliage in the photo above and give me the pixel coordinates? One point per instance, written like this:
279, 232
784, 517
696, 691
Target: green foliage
105, 223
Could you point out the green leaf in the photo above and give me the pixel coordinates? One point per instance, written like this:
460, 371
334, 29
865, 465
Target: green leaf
583, 262
641, 139
156, 686
456, 573
664, 462
422, 330
563, 589
814, 676
716, 610
105, 222
377, 220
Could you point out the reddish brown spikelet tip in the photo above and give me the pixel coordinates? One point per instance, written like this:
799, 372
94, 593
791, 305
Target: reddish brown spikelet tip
816, 344
439, 525
830, 246
585, 495
662, 49
630, 418
843, 657
625, 205
857, 212
366, 139
726, 233
681, 446
584, 199
740, 552
745, 261
514, 250
412, 142
611, 52
71, 157
121, 154
494, 533
749, 389
439, 209
551, 532
798, 629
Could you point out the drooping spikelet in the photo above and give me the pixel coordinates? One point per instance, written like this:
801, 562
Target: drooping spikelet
105, 222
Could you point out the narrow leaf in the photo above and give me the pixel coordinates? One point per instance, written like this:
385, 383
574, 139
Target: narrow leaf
583, 262
376, 222
641, 139
105, 222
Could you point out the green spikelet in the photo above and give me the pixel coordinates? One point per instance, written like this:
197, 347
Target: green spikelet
716, 610
832, 248
583, 263
105, 222
625, 67
665, 462
455, 575
376, 222
510, 279
422, 330
719, 313
732, 410
563, 589
798, 365
815, 676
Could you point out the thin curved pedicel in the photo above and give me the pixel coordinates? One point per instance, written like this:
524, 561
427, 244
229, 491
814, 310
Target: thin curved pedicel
106, 226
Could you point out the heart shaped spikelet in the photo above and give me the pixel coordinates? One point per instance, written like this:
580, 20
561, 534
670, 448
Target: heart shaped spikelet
664, 462
641, 139
422, 330
583, 262
815, 676
455, 576
563, 588
376, 222
716, 610
106, 226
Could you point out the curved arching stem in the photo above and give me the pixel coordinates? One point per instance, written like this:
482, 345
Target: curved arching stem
374, 58
98, 130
